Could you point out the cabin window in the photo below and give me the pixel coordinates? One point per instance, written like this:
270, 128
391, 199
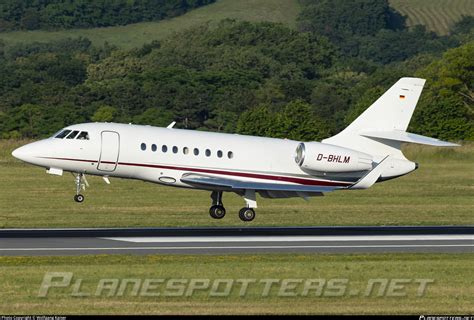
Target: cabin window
62, 134
185, 150
153, 147
83, 136
175, 149
230, 154
208, 153
219, 154
72, 135
143, 146
164, 148
196, 151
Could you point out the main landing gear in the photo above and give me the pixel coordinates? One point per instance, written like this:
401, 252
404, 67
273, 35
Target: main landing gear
217, 210
81, 182
246, 214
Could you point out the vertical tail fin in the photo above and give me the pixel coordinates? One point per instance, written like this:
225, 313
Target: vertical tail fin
380, 130
391, 112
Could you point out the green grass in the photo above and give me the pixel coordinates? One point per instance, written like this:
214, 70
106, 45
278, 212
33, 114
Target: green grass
436, 15
451, 292
440, 192
135, 35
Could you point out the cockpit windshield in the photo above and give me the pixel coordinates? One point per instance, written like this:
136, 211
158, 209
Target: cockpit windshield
72, 135
69, 134
83, 136
62, 134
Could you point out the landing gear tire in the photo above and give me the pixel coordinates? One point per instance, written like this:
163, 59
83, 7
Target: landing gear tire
217, 212
247, 214
79, 198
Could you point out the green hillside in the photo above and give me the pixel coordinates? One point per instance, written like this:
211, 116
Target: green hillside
436, 15
134, 35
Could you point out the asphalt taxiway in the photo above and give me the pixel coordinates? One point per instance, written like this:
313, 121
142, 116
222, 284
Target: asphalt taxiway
235, 240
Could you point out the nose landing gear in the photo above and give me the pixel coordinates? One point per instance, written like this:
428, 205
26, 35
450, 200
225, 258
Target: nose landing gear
81, 182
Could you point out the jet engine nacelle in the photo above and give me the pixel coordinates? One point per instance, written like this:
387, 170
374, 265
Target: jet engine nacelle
320, 157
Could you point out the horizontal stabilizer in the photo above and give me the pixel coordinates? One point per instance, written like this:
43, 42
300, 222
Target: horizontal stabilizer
398, 135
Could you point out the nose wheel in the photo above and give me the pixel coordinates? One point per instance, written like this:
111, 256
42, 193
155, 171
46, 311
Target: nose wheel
79, 198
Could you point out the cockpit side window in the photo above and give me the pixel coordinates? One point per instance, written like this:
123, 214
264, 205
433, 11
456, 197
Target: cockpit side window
83, 136
62, 134
72, 135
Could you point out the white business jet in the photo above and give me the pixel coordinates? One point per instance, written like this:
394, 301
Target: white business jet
367, 151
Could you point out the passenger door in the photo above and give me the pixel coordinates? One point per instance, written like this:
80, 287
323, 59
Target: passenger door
109, 152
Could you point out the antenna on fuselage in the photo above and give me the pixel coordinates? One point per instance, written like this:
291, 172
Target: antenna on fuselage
171, 125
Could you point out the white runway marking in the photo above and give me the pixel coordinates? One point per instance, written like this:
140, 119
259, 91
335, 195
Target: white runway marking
221, 239
241, 247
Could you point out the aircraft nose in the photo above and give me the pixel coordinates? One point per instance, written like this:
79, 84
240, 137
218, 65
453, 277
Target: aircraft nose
21, 153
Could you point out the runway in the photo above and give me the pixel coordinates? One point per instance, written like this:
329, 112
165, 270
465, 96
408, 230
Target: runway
357, 239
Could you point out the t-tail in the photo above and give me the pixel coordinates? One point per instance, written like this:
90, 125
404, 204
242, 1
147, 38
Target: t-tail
381, 129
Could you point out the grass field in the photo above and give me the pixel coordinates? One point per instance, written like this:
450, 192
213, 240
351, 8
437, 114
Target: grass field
440, 192
134, 35
436, 15
452, 291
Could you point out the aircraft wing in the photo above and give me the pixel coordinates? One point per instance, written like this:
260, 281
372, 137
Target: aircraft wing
213, 182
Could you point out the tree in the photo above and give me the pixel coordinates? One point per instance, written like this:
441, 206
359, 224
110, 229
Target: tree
259, 121
30, 20
60, 14
446, 109
297, 122
344, 21
28, 120
154, 117
104, 114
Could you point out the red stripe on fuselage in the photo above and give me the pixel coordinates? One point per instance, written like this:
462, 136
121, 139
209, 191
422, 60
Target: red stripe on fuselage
303, 181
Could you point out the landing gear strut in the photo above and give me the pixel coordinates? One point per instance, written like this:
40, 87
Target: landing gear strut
79, 178
247, 213
217, 210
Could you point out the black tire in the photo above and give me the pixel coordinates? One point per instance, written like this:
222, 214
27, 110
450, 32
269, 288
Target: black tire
217, 212
79, 198
247, 214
